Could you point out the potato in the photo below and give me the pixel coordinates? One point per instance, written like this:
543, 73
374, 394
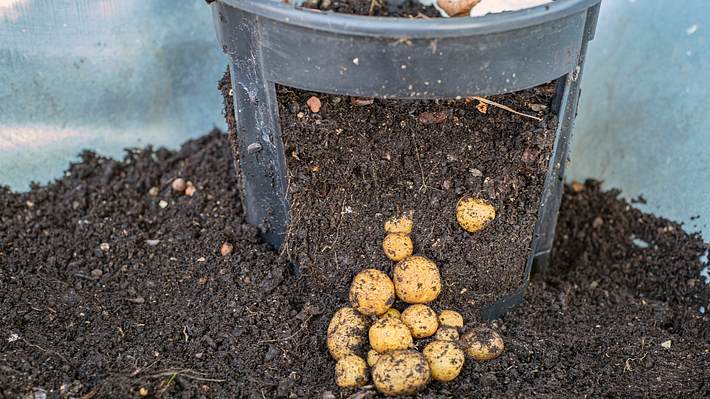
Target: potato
388, 334
398, 246
451, 318
372, 357
421, 320
474, 214
401, 373
391, 312
351, 372
402, 224
483, 344
446, 333
454, 8
347, 333
417, 280
445, 360
371, 292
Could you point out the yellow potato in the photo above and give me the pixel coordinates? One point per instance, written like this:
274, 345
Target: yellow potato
398, 246
483, 344
371, 292
401, 373
402, 224
417, 280
391, 312
372, 357
347, 333
445, 360
446, 333
351, 372
451, 318
474, 214
421, 320
388, 334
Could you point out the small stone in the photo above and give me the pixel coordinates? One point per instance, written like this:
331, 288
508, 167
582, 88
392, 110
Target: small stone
104, 246
475, 172
163, 204
137, 300
482, 107
154, 191
190, 190
577, 187
537, 107
293, 107
361, 101
226, 249
598, 221
96, 273
430, 118
314, 104
152, 243
666, 344
143, 391
30, 204
253, 148
300, 115
179, 185
327, 395
201, 259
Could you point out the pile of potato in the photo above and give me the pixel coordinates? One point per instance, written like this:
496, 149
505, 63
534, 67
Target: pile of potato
373, 333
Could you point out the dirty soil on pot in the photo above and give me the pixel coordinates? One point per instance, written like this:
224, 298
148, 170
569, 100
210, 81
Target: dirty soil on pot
158, 307
406, 8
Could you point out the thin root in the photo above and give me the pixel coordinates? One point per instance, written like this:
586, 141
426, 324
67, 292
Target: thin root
501, 106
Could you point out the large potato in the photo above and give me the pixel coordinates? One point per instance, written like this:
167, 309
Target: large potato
400, 224
451, 318
446, 333
421, 320
351, 372
417, 280
445, 360
388, 334
347, 333
483, 344
401, 373
371, 292
398, 246
474, 214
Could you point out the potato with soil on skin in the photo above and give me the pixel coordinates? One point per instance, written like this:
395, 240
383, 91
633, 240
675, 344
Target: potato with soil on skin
400, 224
347, 333
402, 372
446, 333
416, 280
371, 292
388, 334
421, 320
445, 360
372, 357
391, 312
450, 318
474, 214
398, 246
483, 344
351, 372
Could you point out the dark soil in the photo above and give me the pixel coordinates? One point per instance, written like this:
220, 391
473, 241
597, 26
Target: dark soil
159, 308
406, 8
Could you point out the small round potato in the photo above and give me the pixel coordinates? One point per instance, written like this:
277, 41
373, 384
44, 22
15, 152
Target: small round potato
483, 344
391, 312
446, 333
474, 214
445, 360
372, 357
421, 320
402, 224
351, 372
401, 373
451, 318
417, 280
347, 333
388, 334
371, 292
398, 246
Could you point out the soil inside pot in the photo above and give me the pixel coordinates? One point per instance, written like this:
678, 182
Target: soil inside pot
406, 8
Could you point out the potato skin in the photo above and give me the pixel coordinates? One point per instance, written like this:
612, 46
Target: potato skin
372, 357
416, 280
446, 333
483, 344
388, 334
400, 224
474, 214
445, 360
398, 246
371, 292
421, 320
347, 333
450, 318
351, 372
401, 372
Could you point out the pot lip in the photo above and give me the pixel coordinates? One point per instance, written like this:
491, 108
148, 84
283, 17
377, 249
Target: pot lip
357, 25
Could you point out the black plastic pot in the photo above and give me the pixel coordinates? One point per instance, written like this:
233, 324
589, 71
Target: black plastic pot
269, 42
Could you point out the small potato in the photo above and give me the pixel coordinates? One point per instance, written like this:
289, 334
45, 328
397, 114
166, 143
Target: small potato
474, 214
445, 360
401, 373
398, 246
371, 292
351, 372
391, 312
483, 344
402, 224
388, 334
416, 280
454, 8
421, 320
347, 333
446, 333
372, 357
451, 318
